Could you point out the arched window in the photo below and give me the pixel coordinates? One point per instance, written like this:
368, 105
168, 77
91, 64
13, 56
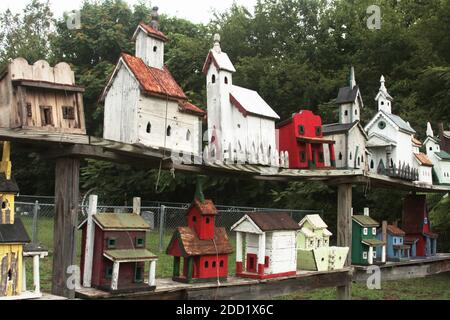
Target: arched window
392, 163
169, 131
213, 78
351, 156
4, 205
155, 48
240, 146
356, 111
194, 219
359, 161
431, 148
188, 135
270, 151
207, 220
340, 155
346, 113
206, 264
149, 128
226, 80
221, 263
372, 164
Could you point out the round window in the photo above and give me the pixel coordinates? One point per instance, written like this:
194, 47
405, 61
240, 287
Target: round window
381, 125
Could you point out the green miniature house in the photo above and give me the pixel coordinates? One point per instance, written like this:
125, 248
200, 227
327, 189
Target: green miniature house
365, 242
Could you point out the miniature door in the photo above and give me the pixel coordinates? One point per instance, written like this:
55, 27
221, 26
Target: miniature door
9, 275
252, 262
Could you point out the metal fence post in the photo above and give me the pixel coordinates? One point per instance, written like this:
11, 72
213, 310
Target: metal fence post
162, 220
34, 232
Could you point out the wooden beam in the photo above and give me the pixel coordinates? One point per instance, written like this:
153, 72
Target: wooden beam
48, 85
344, 232
67, 174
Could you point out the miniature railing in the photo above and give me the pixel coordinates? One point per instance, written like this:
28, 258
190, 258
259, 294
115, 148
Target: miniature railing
404, 172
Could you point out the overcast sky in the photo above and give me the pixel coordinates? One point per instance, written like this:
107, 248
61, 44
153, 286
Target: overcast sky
194, 10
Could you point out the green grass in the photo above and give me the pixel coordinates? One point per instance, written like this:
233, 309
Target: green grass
430, 288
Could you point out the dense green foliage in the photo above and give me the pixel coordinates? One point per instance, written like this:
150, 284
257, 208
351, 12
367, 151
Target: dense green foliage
296, 53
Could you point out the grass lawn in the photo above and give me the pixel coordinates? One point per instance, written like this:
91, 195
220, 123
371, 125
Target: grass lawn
434, 287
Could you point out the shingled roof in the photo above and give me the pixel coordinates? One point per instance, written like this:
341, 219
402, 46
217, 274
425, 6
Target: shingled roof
9, 186
395, 231
151, 32
423, 159
205, 208
190, 244
273, 221
119, 221
14, 233
347, 95
365, 221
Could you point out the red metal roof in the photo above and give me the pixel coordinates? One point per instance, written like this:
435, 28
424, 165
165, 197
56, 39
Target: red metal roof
156, 33
154, 81
186, 106
423, 159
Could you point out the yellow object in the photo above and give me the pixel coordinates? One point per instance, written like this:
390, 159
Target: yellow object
11, 261
5, 165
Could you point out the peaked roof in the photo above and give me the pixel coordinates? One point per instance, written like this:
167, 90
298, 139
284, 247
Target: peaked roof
395, 231
365, 221
190, 244
205, 208
347, 95
396, 120
337, 128
14, 233
273, 221
379, 140
315, 220
150, 31
119, 221
250, 102
186, 106
8, 185
220, 60
423, 159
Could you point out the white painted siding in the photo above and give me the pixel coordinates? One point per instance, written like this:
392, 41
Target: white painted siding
120, 114
145, 47
281, 250
356, 146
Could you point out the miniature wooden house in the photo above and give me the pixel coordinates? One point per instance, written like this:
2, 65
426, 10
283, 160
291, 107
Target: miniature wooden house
390, 140
440, 158
302, 136
314, 252
365, 242
144, 105
422, 163
416, 224
269, 246
203, 247
113, 252
40, 97
396, 247
348, 134
241, 125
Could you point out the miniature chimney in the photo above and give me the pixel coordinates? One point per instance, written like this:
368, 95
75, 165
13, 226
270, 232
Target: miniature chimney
366, 212
430, 132
217, 43
154, 23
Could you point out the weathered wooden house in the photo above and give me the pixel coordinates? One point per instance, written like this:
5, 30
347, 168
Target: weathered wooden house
269, 242
365, 242
113, 252
41, 98
313, 246
390, 140
416, 224
396, 248
241, 125
422, 163
348, 134
440, 158
144, 105
202, 246
302, 137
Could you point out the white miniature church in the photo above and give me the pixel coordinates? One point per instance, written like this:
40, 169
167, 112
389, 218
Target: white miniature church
390, 137
241, 125
439, 157
144, 105
350, 137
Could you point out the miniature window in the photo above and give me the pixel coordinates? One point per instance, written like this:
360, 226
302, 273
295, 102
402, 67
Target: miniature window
374, 231
155, 48
138, 274
351, 156
321, 157
213, 78
140, 242
364, 255
356, 112
381, 125
68, 112
214, 264
266, 262
301, 129
340, 155
188, 135
108, 272
169, 131
9, 275
346, 113
111, 243
359, 161
3, 204
318, 131
207, 220
222, 263
325, 241
303, 156
29, 110
46, 116
382, 103
374, 254
226, 80
365, 231
194, 219
372, 164
392, 163
311, 242
149, 128
206, 264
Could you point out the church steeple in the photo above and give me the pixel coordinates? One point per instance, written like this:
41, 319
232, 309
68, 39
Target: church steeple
383, 98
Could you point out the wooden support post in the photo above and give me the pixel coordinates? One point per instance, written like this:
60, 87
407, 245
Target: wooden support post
90, 234
176, 266
24, 275
115, 276
36, 274
239, 259
261, 253
152, 274
344, 232
67, 175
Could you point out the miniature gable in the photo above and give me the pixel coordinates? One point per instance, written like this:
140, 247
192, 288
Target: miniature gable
246, 225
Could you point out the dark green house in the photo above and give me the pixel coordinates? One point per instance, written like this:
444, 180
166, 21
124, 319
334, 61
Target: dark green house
365, 242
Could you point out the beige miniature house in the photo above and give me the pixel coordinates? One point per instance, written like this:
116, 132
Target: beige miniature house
41, 97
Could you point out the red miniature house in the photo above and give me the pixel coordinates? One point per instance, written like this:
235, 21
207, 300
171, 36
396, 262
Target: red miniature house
417, 227
203, 248
302, 136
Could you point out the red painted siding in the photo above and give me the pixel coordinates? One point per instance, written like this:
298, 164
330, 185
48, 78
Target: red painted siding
210, 267
202, 224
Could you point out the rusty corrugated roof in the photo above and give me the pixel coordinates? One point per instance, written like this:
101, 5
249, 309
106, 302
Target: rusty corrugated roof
274, 221
423, 159
206, 208
186, 106
154, 81
395, 231
155, 33
191, 245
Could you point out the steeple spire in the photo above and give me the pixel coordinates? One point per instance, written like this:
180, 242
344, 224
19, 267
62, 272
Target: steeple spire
199, 189
352, 78
217, 43
383, 98
430, 132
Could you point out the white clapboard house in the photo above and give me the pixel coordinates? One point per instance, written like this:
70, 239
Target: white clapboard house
266, 245
440, 158
350, 137
144, 105
241, 125
422, 163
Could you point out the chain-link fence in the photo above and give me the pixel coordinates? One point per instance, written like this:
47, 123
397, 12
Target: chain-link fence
163, 217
